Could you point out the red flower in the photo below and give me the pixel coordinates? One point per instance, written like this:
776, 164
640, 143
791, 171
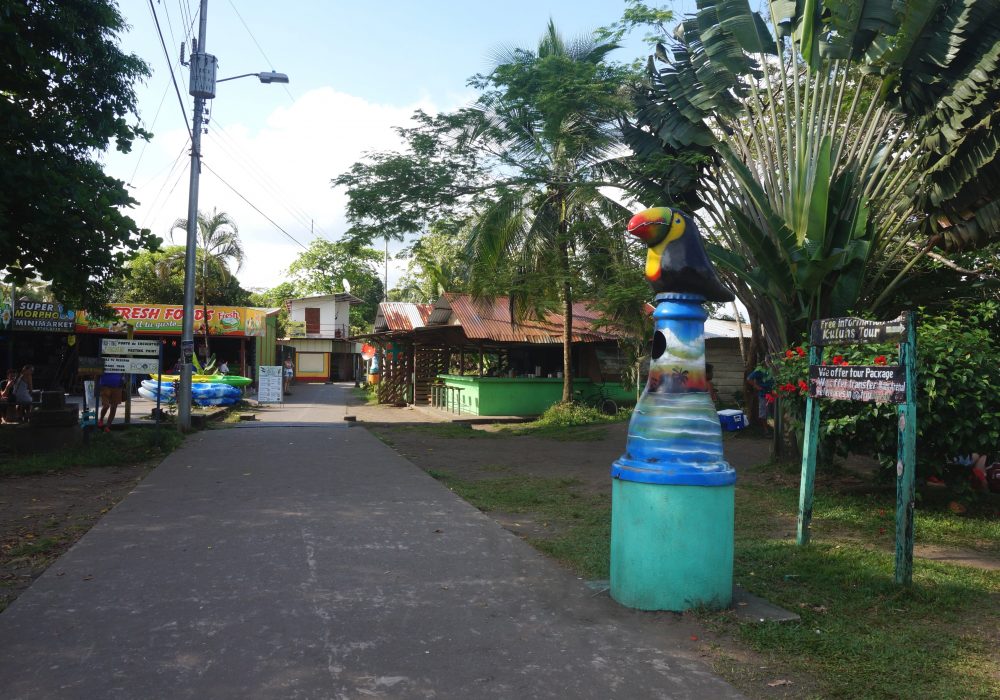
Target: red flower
838, 359
803, 386
800, 351
881, 360
789, 354
769, 397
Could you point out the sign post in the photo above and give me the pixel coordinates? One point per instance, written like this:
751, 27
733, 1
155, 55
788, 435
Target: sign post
880, 384
128, 357
270, 384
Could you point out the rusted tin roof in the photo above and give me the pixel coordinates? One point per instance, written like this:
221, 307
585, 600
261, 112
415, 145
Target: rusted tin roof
489, 320
401, 316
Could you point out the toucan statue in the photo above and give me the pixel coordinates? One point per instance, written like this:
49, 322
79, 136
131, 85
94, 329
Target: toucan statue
676, 260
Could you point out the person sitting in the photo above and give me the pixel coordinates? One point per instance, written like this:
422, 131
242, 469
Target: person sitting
224, 367
22, 392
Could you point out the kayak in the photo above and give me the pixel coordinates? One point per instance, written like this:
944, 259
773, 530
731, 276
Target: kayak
202, 393
230, 379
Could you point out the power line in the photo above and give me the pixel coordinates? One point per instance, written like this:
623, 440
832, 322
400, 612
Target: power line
254, 206
145, 142
255, 170
170, 65
259, 48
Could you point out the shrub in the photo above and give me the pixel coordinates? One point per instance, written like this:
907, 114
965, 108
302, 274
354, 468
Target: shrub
958, 392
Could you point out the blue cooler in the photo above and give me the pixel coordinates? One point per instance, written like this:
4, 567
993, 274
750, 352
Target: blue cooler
733, 419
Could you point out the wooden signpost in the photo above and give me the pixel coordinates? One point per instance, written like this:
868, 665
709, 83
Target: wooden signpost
881, 384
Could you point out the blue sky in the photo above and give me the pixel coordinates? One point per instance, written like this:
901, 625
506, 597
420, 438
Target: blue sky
356, 69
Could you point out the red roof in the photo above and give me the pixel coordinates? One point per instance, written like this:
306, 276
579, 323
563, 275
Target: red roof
489, 319
401, 316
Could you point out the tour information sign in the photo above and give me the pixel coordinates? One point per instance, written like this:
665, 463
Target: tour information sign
874, 384
857, 331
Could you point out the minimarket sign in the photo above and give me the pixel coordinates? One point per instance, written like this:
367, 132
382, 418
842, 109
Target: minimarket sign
43, 316
236, 321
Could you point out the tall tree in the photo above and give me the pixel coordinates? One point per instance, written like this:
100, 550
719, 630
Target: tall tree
831, 149
524, 164
219, 246
157, 277
67, 94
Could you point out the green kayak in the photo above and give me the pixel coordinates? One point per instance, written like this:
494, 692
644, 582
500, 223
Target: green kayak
230, 379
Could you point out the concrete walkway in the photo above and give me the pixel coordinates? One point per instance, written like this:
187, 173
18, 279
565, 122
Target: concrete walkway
314, 562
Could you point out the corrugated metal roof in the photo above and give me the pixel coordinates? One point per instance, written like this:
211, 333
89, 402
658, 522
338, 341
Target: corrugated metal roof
401, 316
489, 319
720, 328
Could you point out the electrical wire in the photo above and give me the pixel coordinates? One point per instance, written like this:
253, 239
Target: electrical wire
145, 142
170, 65
254, 206
229, 145
259, 47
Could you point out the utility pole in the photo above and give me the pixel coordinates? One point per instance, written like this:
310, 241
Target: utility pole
202, 87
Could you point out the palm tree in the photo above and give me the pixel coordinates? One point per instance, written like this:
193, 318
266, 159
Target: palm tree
829, 150
218, 241
549, 117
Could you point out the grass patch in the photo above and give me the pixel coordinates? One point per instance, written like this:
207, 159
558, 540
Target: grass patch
367, 393
860, 636
582, 522
114, 449
863, 636
32, 548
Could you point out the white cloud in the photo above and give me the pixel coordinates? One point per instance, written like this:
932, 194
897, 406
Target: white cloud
284, 168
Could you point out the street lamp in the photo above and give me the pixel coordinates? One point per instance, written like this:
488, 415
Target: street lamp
202, 87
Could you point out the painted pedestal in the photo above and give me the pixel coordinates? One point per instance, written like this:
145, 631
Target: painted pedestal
672, 491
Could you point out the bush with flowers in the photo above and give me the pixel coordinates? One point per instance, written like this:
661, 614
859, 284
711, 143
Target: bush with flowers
958, 393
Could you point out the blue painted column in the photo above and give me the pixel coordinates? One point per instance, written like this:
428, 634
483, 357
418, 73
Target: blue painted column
672, 492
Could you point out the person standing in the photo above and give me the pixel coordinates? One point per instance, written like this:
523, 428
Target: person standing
8, 405
760, 380
111, 384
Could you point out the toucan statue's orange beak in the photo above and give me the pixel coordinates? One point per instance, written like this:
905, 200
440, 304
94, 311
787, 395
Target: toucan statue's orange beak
641, 225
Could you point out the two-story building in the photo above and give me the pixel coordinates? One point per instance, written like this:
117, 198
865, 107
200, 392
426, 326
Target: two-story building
317, 330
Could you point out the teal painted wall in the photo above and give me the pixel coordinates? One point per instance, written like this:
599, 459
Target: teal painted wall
518, 396
671, 546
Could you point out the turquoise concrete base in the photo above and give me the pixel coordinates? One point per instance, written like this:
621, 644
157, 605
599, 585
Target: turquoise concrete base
671, 546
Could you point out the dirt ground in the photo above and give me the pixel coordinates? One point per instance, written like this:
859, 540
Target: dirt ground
42, 516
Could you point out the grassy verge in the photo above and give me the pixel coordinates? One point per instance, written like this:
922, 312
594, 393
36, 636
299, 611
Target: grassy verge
117, 448
565, 422
860, 635
581, 523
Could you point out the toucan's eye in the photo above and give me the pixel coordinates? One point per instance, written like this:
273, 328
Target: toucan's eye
677, 220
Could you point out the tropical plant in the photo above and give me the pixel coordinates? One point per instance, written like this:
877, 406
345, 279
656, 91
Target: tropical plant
828, 151
524, 165
551, 116
218, 241
157, 277
958, 407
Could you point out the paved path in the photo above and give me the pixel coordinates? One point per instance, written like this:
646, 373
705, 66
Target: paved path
314, 562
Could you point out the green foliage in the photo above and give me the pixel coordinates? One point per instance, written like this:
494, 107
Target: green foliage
322, 268
839, 145
436, 263
958, 405
114, 449
157, 277
67, 94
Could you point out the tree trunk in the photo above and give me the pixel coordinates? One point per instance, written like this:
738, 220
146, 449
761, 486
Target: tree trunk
567, 325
